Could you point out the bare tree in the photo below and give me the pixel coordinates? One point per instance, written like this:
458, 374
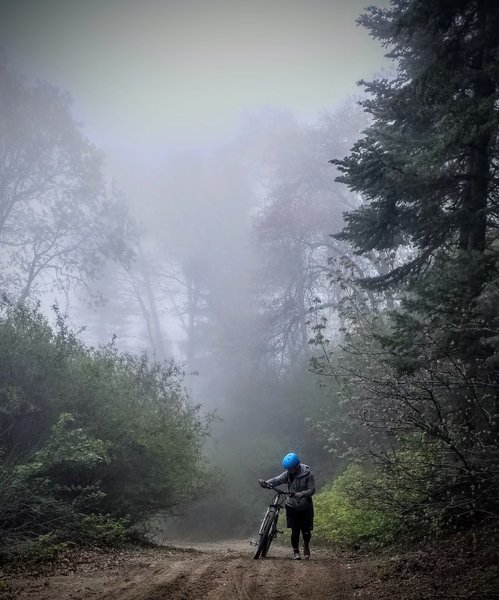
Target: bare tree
57, 224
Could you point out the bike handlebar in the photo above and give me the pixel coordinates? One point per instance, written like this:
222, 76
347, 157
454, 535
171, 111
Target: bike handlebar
275, 489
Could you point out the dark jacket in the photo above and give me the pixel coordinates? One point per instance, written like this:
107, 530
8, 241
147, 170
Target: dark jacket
302, 482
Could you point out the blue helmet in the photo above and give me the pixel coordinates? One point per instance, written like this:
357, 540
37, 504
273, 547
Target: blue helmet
290, 461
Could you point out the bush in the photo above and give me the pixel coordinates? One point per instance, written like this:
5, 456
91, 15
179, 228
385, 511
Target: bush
96, 440
343, 516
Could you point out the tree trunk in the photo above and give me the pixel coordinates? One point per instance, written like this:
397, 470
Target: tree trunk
475, 201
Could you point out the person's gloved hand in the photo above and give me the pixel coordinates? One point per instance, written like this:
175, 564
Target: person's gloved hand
263, 483
298, 495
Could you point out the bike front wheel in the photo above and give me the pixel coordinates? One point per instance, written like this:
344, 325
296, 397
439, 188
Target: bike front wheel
265, 537
272, 534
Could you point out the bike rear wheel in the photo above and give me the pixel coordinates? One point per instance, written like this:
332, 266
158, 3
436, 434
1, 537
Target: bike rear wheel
265, 537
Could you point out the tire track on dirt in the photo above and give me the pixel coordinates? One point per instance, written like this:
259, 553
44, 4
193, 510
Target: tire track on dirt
282, 579
219, 577
179, 580
216, 574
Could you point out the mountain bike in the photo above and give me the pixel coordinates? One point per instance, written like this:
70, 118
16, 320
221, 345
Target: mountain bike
268, 529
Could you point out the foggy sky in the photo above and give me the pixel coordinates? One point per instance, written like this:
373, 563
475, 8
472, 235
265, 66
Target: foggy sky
156, 73
152, 78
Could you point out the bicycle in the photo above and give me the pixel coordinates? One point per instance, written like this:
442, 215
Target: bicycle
268, 529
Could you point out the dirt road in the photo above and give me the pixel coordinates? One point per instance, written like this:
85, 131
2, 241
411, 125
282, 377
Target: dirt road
227, 571
217, 572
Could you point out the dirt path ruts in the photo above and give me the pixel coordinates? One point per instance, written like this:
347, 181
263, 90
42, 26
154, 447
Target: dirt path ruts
217, 573
464, 568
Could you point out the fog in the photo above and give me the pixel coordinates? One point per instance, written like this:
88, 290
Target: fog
216, 122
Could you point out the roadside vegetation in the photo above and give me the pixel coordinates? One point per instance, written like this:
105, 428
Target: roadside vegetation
94, 441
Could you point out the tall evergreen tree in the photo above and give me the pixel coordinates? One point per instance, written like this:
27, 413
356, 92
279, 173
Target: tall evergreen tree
427, 166
427, 169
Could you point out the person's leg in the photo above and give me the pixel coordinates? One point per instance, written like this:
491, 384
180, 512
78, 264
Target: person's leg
306, 543
294, 524
307, 525
295, 542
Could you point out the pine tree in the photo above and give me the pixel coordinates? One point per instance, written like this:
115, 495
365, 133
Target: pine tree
427, 166
427, 170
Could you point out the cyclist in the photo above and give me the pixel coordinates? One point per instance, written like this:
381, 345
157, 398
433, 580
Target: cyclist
299, 505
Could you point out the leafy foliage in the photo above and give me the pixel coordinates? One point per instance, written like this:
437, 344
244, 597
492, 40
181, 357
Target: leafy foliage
428, 414
94, 440
344, 515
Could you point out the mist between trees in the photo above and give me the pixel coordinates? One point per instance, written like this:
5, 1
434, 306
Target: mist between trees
367, 345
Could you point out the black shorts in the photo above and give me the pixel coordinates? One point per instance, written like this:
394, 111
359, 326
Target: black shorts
300, 519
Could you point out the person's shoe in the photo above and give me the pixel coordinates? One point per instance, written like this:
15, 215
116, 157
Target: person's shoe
306, 551
296, 556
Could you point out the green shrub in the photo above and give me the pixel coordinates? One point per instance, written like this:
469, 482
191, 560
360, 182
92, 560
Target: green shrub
97, 440
344, 516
